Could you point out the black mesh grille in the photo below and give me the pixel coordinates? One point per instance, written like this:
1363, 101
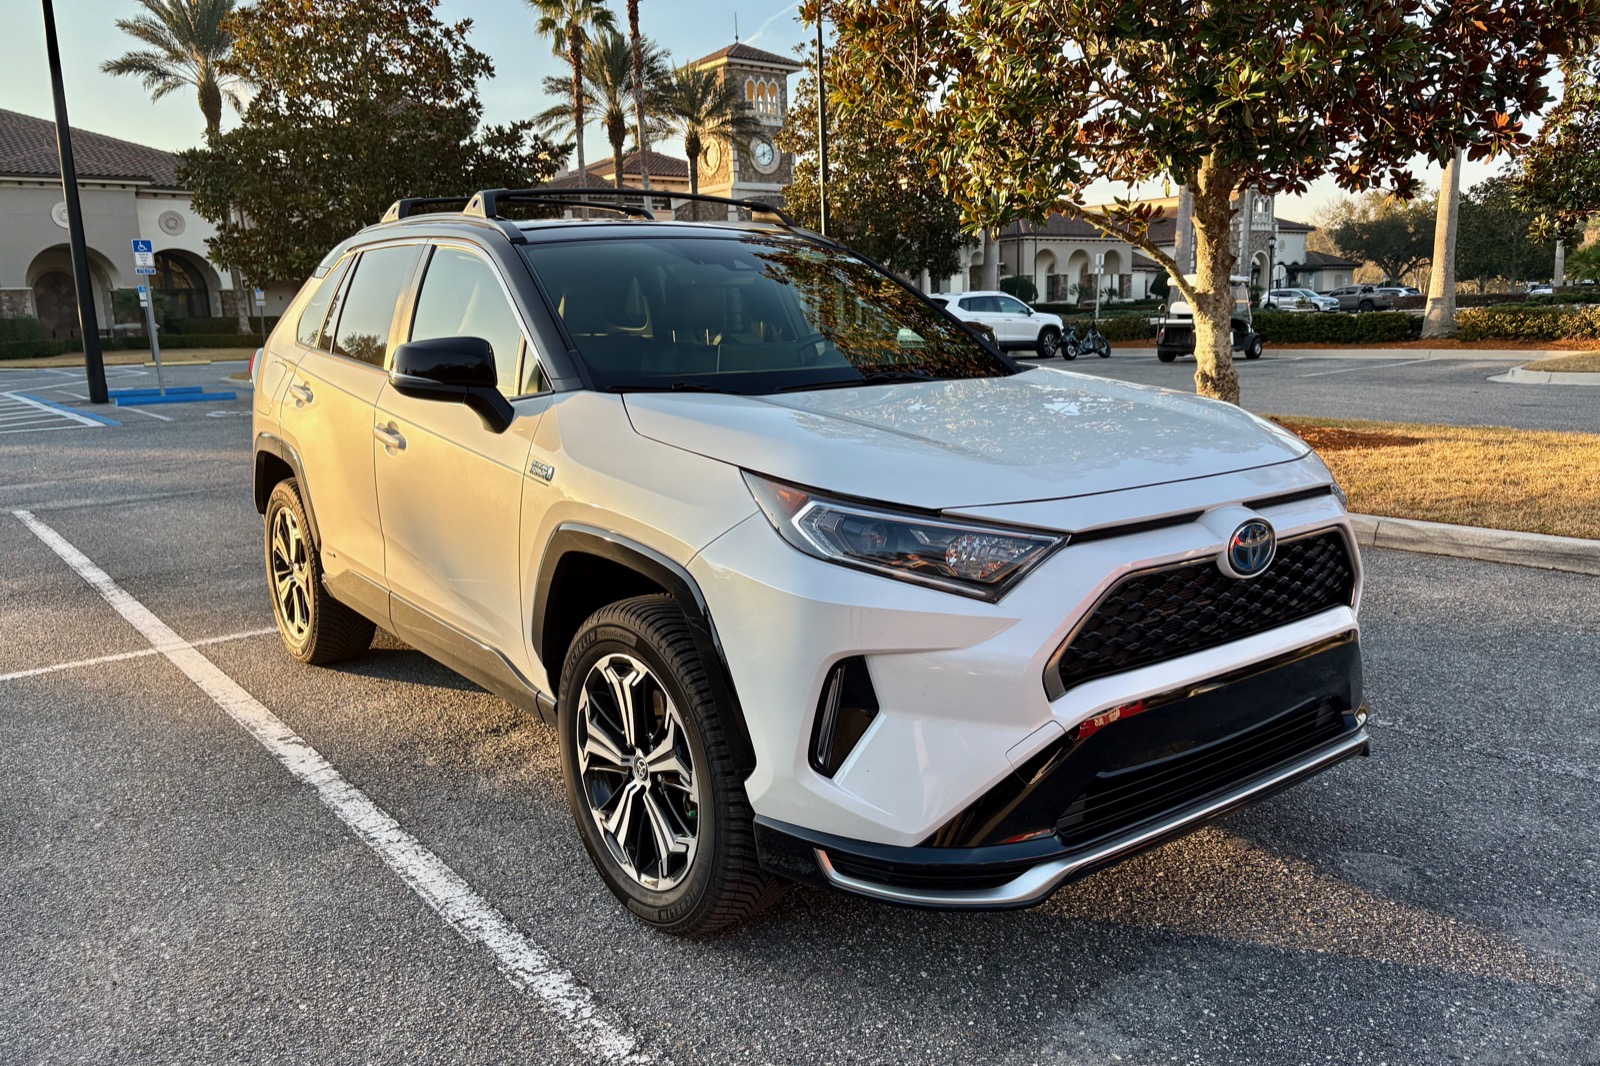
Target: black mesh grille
1161, 614
1121, 799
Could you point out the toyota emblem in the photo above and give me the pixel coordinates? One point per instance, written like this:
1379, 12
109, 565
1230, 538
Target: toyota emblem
1250, 550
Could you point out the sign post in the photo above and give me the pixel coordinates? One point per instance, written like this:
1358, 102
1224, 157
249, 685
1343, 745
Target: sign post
144, 264
1099, 276
261, 312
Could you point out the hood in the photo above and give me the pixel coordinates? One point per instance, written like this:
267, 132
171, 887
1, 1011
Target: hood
1042, 434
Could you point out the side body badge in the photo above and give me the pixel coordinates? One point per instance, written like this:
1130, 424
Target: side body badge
543, 471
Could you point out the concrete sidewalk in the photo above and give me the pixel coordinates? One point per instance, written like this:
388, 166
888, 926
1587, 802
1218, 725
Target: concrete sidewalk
1572, 555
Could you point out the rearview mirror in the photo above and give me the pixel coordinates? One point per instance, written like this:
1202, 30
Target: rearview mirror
453, 369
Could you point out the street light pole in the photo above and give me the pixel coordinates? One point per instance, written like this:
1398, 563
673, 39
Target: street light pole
1272, 263
88, 324
822, 133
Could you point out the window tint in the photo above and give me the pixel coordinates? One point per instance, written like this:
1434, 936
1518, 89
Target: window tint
367, 304
461, 297
984, 305
1011, 306
317, 309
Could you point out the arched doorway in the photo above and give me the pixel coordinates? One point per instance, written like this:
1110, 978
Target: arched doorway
55, 302
182, 285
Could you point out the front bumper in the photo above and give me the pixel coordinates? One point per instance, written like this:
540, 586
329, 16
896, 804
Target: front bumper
1100, 795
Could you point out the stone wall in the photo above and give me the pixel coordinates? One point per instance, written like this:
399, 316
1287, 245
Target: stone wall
16, 303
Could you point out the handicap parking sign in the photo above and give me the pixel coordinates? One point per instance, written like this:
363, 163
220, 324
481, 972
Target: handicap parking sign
144, 257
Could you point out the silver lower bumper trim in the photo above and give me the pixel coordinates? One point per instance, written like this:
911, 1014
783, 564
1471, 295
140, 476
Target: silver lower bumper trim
1035, 884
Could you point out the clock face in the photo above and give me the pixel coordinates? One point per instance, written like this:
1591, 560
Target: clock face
712, 155
765, 155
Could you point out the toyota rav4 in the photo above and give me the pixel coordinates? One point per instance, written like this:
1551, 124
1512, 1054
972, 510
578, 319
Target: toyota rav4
811, 583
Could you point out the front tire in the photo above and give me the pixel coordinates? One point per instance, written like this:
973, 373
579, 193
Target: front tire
1255, 348
316, 628
659, 803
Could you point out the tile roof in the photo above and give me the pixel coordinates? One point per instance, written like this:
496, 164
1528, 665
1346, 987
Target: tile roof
740, 51
1055, 226
661, 166
28, 149
1324, 261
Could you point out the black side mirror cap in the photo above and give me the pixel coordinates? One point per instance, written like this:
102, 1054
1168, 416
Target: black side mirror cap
453, 369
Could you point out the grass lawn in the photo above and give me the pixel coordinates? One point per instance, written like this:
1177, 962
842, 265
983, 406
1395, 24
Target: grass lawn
1568, 363
1488, 476
134, 358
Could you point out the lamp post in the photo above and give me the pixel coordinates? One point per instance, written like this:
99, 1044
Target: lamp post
822, 134
88, 323
1272, 260
1099, 277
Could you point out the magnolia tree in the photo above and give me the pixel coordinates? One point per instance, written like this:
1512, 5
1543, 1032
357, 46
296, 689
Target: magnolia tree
1022, 105
1559, 178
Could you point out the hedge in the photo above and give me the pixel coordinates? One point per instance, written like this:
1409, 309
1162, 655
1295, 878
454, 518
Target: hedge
1115, 328
14, 330
173, 341
32, 349
1287, 327
1529, 323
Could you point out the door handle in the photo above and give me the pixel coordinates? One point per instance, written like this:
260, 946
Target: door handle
390, 437
302, 393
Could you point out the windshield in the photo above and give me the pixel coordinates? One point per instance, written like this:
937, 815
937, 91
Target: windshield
753, 314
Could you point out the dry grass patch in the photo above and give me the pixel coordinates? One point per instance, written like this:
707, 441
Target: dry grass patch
1487, 476
1562, 364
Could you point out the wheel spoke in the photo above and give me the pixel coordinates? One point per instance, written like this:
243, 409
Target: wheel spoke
623, 693
620, 820
669, 842
664, 757
600, 750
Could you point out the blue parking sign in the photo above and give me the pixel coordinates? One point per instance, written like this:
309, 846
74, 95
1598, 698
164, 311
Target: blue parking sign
143, 247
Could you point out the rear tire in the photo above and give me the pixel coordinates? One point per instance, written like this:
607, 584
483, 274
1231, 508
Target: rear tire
316, 628
1166, 357
1366, 305
1049, 341
660, 805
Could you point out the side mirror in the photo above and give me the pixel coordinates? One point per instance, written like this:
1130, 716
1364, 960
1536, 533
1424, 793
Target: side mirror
454, 370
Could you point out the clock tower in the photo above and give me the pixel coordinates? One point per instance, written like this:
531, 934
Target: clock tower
754, 167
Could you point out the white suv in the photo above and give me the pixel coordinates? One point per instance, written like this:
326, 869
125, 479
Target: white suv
813, 585
1015, 324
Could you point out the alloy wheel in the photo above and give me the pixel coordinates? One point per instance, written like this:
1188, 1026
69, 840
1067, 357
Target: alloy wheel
636, 772
291, 575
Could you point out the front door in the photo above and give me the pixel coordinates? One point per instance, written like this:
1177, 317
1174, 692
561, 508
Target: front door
449, 488
1018, 320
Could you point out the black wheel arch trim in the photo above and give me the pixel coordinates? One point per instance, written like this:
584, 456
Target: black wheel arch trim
578, 539
273, 445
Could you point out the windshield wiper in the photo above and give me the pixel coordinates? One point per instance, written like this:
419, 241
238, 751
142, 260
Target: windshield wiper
870, 377
676, 386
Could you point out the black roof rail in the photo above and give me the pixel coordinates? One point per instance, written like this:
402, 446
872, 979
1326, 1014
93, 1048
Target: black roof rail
486, 203
409, 206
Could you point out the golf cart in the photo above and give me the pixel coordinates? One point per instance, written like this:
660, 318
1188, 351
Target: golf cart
1176, 335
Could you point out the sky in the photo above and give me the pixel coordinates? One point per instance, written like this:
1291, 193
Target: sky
502, 28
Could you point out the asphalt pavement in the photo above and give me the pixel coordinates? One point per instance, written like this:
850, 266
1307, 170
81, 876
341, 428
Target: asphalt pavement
1397, 387
173, 889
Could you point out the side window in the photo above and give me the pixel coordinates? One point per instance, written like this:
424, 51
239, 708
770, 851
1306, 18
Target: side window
366, 306
534, 379
317, 309
1011, 306
461, 297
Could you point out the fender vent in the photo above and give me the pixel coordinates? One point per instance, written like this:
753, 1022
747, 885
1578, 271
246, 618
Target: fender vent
847, 707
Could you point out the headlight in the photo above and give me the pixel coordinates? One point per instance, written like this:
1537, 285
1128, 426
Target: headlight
980, 561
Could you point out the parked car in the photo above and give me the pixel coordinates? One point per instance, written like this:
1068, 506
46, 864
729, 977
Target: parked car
1398, 292
982, 329
1363, 298
811, 584
1540, 290
1015, 324
1298, 300
1175, 334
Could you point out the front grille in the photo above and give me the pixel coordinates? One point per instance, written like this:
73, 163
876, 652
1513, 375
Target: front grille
1116, 800
1156, 615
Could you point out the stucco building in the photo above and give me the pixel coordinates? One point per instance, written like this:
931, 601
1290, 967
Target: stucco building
127, 191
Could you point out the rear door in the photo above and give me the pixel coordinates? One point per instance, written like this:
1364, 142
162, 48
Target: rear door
450, 489
327, 411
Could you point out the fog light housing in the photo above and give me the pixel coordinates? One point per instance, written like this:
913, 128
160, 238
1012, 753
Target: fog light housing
847, 708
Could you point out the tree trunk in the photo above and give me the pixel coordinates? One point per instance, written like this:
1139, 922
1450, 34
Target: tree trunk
1440, 318
211, 106
575, 55
1214, 374
692, 148
638, 90
618, 132
1559, 278
991, 262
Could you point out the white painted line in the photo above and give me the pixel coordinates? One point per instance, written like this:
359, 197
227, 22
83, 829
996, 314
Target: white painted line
64, 412
147, 414
140, 654
524, 963
1353, 369
40, 429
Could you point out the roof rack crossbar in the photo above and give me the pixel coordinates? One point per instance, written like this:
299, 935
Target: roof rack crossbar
408, 206
485, 202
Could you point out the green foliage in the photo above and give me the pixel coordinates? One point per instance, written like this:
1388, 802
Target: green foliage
357, 106
883, 198
1584, 263
1288, 327
1494, 238
177, 341
1395, 235
226, 324
33, 349
608, 83
1021, 286
701, 107
1558, 180
1530, 323
188, 40
13, 330
1118, 329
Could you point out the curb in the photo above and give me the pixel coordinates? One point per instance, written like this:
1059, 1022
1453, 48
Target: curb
1522, 376
1573, 555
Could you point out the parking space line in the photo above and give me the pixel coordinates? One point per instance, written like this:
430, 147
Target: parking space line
1353, 369
48, 406
526, 965
76, 664
147, 414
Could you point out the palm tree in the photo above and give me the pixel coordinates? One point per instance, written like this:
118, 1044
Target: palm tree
701, 107
608, 81
568, 24
187, 44
637, 43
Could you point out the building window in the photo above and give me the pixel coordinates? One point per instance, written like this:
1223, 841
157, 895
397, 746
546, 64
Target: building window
763, 95
183, 286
